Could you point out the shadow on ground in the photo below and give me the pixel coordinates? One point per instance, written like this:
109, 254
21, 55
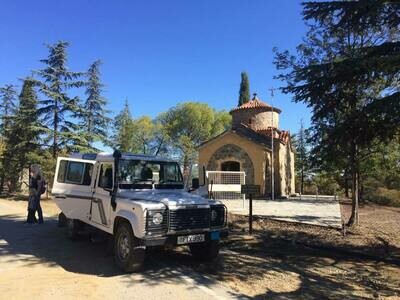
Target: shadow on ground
267, 268
48, 245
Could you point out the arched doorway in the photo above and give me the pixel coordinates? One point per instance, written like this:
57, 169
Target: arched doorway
230, 165
232, 153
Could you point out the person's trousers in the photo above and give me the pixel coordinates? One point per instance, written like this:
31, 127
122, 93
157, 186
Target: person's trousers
40, 213
31, 216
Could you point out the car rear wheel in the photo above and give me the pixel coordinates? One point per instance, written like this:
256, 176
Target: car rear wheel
73, 228
62, 220
129, 254
207, 251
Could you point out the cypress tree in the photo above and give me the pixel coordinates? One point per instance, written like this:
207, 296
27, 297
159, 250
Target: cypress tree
244, 92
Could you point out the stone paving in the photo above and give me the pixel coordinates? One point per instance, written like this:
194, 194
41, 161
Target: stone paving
315, 210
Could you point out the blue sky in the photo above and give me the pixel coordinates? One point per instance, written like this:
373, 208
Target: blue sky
159, 53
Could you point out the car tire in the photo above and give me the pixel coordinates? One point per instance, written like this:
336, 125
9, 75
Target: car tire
207, 251
128, 253
73, 228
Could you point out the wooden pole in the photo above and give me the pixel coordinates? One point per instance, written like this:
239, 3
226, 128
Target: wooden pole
251, 213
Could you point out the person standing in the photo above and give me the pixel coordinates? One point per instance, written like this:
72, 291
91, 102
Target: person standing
35, 189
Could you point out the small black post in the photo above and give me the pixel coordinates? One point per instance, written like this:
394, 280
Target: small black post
251, 213
250, 190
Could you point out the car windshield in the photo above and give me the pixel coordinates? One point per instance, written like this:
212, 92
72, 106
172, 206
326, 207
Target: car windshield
141, 174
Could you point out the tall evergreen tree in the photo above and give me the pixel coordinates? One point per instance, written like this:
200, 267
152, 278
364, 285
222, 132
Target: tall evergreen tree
26, 123
244, 92
57, 110
302, 159
123, 137
347, 72
93, 113
24, 134
7, 106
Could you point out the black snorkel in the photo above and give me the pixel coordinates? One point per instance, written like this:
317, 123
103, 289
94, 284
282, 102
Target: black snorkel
117, 155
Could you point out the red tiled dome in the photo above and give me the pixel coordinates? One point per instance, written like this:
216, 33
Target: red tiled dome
256, 103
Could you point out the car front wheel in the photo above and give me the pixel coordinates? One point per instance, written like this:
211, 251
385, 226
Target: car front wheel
129, 255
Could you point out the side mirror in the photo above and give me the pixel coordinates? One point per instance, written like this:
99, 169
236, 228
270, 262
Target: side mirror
195, 183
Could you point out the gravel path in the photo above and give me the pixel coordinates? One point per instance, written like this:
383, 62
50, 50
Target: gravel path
39, 262
322, 211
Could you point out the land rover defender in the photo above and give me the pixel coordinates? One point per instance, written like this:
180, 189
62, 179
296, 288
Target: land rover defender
140, 201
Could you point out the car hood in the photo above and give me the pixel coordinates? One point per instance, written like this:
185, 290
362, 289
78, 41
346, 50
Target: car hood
168, 197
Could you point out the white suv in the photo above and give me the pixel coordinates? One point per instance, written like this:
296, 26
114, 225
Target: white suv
140, 200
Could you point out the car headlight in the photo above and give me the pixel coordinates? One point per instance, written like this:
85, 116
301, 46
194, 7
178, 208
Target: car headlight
157, 218
218, 215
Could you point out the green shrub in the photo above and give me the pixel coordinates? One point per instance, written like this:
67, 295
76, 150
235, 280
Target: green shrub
383, 196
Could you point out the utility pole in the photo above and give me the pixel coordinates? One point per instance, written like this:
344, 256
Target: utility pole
272, 145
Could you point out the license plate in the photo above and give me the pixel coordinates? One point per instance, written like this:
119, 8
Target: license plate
189, 239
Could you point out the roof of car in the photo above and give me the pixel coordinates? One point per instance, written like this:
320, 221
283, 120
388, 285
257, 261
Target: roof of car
105, 156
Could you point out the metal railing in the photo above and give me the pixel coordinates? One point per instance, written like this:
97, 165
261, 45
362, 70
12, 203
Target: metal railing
225, 185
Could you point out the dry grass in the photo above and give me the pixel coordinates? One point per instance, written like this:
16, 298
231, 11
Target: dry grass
291, 260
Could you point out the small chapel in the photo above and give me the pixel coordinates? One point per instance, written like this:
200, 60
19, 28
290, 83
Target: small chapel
252, 143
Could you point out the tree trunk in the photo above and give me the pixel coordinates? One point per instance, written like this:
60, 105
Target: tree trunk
55, 128
186, 170
346, 183
353, 221
2, 183
360, 189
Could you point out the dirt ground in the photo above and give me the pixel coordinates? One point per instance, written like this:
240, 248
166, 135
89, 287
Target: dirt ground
292, 260
279, 261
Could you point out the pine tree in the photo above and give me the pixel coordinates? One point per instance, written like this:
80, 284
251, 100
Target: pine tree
123, 137
58, 109
347, 73
7, 106
93, 112
7, 110
26, 122
302, 159
244, 92
24, 135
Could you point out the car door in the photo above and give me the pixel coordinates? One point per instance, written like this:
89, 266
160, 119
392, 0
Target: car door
101, 201
72, 187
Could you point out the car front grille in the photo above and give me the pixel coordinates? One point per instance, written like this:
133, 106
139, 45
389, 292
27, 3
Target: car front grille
189, 218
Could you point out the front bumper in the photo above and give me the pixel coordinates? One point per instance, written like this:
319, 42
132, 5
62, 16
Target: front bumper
171, 240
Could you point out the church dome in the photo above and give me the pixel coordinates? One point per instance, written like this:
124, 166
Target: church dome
255, 114
256, 104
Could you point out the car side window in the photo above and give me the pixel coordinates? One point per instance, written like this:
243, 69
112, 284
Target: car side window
74, 172
87, 175
106, 176
62, 168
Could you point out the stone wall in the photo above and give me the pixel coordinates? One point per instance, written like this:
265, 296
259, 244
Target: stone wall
255, 119
285, 169
232, 152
